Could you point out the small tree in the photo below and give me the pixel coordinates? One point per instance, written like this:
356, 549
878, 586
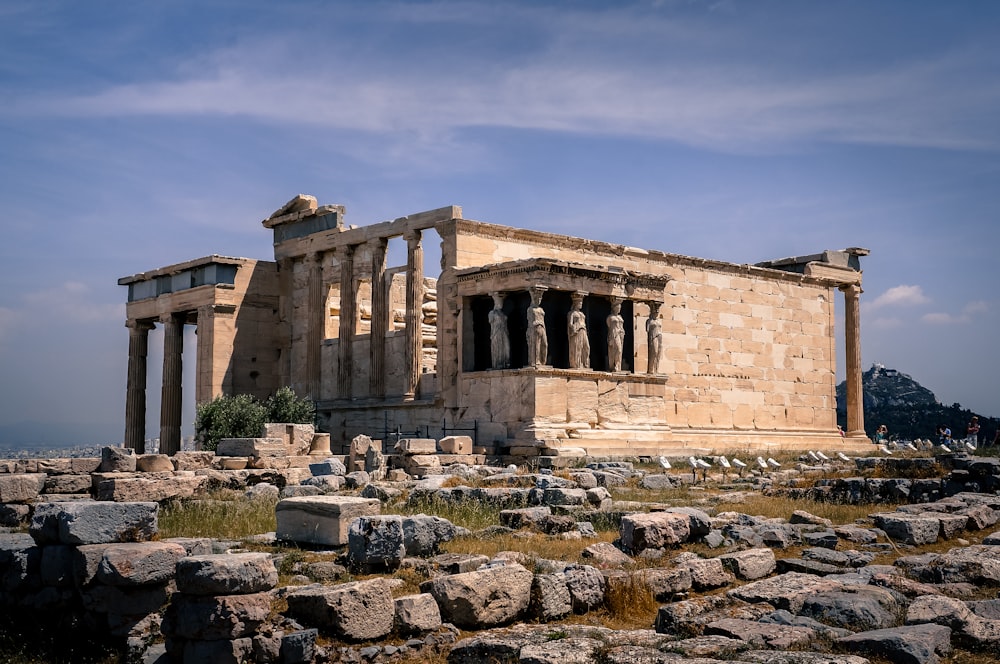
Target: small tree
285, 406
240, 416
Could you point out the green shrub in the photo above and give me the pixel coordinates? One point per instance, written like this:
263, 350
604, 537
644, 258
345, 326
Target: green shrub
241, 416
284, 406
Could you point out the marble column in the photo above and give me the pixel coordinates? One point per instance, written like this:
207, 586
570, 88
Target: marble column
170, 399
654, 339
414, 310
852, 338
380, 319
316, 322
135, 392
348, 304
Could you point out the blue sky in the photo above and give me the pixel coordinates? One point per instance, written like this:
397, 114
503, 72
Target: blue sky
135, 135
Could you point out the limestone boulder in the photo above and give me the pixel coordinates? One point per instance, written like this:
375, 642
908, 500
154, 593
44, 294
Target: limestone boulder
139, 563
20, 488
414, 614
655, 530
909, 528
91, 522
762, 635
118, 460
228, 574
483, 598
324, 520
858, 608
154, 463
159, 488
586, 587
423, 534
550, 597
357, 611
751, 564
785, 591
910, 644
251, 447
376, 542
331, 466
706, 573
222, 617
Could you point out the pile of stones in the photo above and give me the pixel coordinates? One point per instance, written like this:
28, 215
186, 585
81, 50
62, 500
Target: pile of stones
800, 589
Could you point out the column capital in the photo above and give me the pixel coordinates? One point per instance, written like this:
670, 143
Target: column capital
313, 258
139, 325
851, 289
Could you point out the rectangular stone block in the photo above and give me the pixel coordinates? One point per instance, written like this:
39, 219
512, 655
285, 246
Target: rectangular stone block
416, 446
456, 445
321, 519
251, 447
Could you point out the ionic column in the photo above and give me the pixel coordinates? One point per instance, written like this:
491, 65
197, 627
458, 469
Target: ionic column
380, 319
135, 392
170, 398
852, 338
348, 304
315, 318
414, 309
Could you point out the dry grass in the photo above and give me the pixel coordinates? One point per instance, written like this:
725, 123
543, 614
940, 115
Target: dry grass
532, 545
782, 507
223, 515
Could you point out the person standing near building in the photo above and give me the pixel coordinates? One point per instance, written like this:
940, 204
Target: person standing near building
972, 431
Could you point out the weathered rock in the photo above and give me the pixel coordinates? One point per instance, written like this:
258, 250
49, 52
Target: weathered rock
422, 465
416, 613
761, 635
666, 584
858, 608
701, 523
706, 573
456, 445
483, 598
785, 591
376, 541
606, 554
550, 598
913, 644
90, 522
321, 519
586, 587
154, 463
141, 488
192, 617
251, 447
524, 517
139, 563
299, 647
67, 484
228, 574
118, 460
909, 528
20, 488
423, 534
802, 516
358, 611
751, 564
329, 466
561, 496
654, 530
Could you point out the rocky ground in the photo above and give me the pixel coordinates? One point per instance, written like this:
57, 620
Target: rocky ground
894, 559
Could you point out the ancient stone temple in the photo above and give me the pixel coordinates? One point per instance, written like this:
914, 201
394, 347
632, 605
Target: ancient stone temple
532, 343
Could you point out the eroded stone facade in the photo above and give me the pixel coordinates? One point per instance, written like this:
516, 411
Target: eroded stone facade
746, 353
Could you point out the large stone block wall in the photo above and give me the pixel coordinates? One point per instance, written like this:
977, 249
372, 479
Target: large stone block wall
744, 349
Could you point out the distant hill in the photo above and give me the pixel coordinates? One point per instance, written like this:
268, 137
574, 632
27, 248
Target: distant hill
908, 408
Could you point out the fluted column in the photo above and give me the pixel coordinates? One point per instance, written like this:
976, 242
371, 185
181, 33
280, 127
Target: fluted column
135, 392
170, 398
380, 319
852, 338
348, 300
414, 309
315, 317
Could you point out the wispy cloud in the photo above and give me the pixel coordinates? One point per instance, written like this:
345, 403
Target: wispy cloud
902, 295
706, 102
71, 301
967, 315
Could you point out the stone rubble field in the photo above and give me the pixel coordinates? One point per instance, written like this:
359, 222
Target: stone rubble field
916, 581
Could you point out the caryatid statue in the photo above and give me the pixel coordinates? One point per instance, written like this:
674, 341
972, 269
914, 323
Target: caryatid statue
499, 336
654, 338
538, 341
579, 342
616, 336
